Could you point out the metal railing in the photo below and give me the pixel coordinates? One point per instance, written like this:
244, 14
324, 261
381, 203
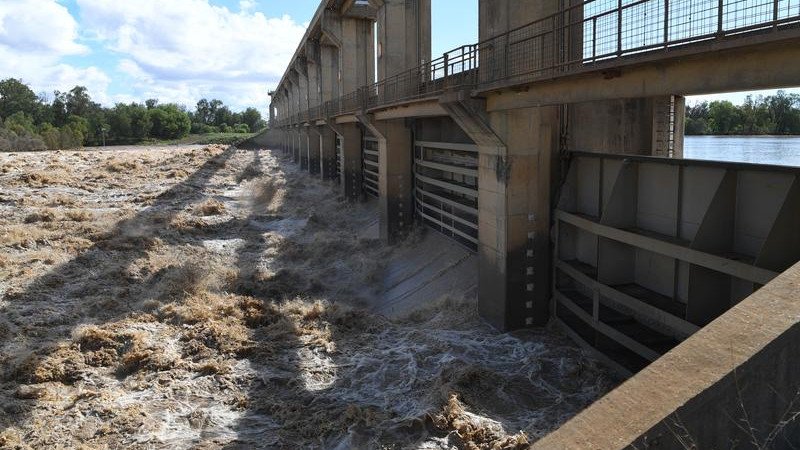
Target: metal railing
573, 39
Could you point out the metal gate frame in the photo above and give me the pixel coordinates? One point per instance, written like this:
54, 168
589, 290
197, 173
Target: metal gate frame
370, 166
446, 189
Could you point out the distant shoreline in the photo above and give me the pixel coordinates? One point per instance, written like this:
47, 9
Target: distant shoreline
745, 135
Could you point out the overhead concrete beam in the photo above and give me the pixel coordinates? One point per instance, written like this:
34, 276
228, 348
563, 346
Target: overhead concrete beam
719, 71
347, 118
426, 108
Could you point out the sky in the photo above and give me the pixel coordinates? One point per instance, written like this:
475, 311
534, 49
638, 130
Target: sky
177, 50
174, 50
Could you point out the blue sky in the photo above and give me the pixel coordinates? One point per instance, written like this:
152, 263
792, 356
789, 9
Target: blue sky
177, 50
174, 50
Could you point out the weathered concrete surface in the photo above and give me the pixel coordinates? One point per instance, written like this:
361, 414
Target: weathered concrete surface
431, 269
731, 384
404, 35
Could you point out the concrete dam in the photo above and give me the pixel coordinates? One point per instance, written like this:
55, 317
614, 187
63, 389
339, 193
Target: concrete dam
552, 150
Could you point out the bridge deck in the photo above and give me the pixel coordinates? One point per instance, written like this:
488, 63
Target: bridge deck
586, 38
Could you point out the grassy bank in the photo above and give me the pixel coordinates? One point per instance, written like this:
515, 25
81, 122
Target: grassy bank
208, 139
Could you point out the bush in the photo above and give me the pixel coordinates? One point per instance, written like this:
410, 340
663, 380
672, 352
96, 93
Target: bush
201, 128
20, 123
51, 136
11, 142
70, 137
241, 128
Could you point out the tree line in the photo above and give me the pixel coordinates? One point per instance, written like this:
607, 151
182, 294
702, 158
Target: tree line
773, 115
72, 119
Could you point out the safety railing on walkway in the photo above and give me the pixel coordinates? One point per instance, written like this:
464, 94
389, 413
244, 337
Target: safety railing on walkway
571, 40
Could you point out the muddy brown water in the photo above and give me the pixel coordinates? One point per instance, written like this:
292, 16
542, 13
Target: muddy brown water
189, 297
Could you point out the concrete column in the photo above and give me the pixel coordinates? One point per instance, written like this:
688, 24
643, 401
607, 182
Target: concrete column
404, 36
354, 39
352, 174
329, 72
272, 106
295, 95
499, 16
395, 144
303, 139
313, 58
313, 70
357, 54
296, 103
285, 104
680, 126
302, 78
518, 157
295, 144
327, 143
312, 132
518, 263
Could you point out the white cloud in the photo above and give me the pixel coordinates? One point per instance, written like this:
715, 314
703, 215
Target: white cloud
183, 50
43, 27
34, 37
247, 5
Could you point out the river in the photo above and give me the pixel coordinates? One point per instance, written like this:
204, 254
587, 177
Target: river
779, 150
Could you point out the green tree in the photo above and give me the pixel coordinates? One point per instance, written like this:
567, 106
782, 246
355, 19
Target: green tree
169, 122
783, 112
725, 118
78, 102
59, 109
223, 116
119, 123
252, 118
206, 111
21, 124
80, 128
51, 136
17, 97
697, 119
141, 124
70, 138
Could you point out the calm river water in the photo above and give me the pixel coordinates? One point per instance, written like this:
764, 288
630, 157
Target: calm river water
781, 150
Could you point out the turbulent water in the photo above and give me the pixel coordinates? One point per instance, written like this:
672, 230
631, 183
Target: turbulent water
220, 298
